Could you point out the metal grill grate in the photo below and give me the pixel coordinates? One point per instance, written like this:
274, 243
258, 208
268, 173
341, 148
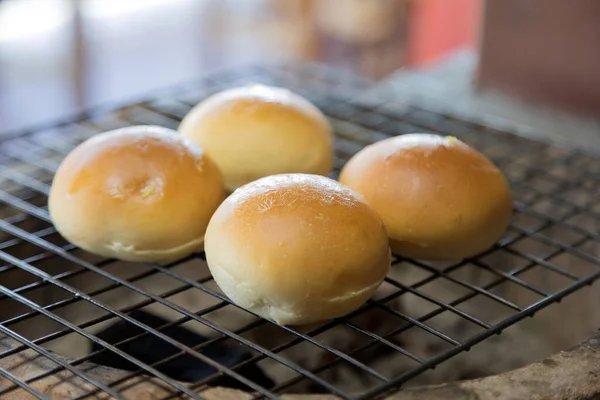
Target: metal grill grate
54, 294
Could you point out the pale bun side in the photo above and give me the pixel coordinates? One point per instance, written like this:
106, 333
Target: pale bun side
439, 198
140, 193
256, 131
297, 248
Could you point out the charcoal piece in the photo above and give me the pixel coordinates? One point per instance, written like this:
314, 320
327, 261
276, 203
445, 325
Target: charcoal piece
187, 368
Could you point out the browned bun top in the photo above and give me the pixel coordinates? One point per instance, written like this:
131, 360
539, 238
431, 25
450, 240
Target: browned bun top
306, 246
255, 131
438, 197
137, 193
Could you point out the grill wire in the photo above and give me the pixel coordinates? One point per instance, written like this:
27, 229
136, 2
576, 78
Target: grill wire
44, 275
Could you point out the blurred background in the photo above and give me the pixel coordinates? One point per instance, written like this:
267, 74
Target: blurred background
59, 56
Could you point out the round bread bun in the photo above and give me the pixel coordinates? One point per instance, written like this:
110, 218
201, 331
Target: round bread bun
297, 248
346, 20
439, 198
140, 193
256, 131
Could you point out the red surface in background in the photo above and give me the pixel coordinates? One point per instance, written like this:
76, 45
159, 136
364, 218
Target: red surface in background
438, 27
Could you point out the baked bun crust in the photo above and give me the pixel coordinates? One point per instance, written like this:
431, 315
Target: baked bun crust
297, 248
439, 198
140, 193
256, 131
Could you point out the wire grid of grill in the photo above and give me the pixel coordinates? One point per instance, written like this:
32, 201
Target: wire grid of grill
555, 215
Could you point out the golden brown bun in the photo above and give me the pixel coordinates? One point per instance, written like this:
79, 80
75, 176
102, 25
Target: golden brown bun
141, 193
256, 131
297, 248
439, 198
